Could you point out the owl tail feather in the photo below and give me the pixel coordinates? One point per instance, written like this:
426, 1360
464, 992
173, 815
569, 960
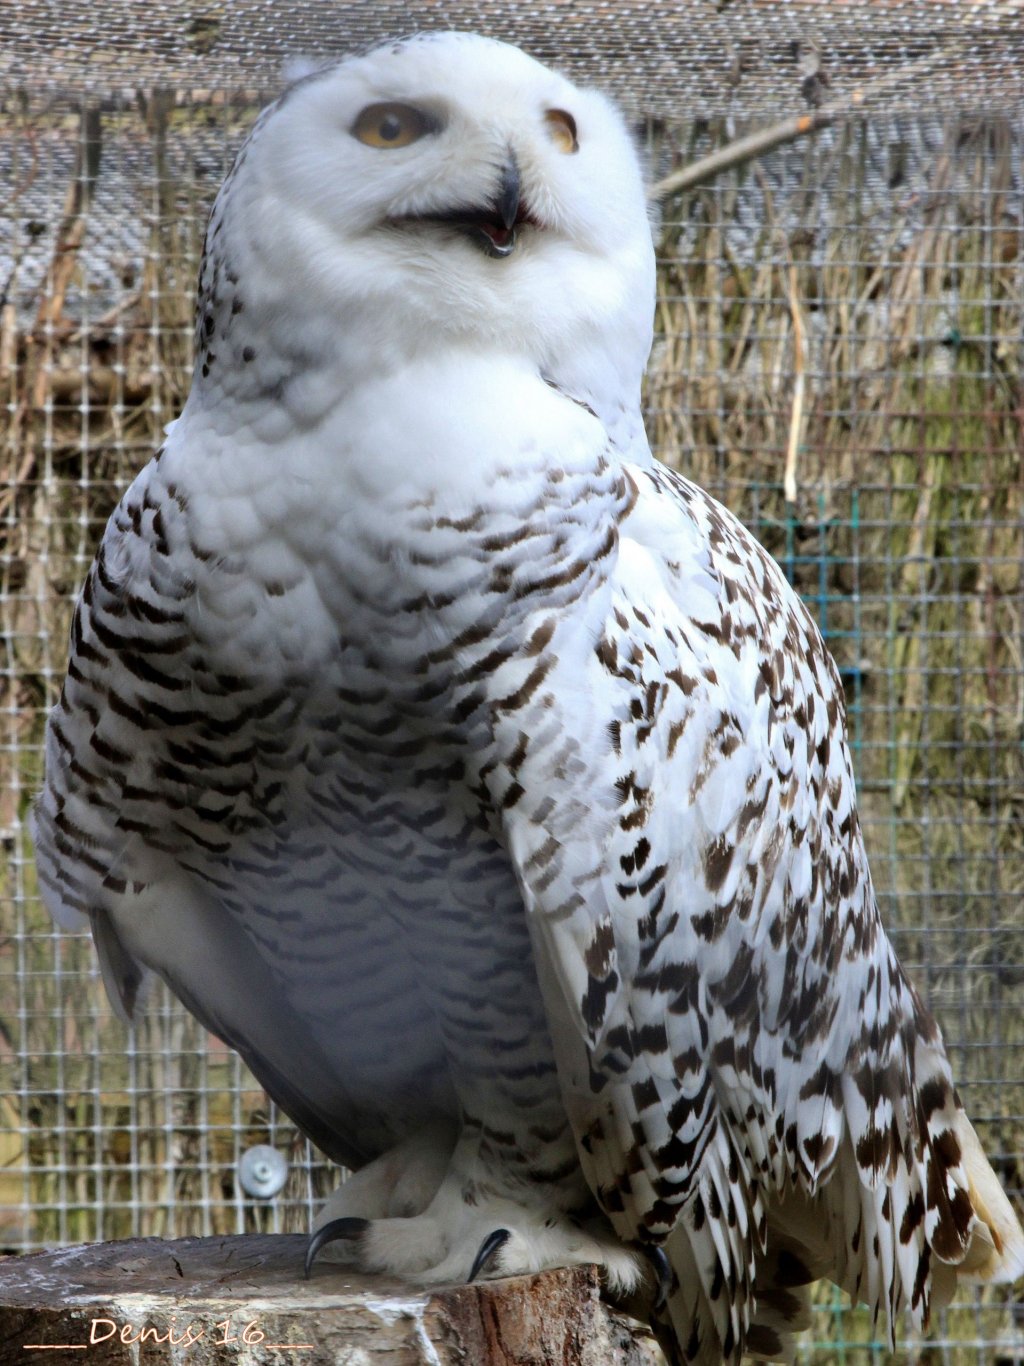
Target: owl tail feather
827, 1234
688, 1330
996, 1250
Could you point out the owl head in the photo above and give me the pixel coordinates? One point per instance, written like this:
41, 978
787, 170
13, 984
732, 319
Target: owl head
443, 189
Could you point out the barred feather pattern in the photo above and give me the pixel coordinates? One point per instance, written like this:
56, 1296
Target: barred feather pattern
314, 800
747, 1062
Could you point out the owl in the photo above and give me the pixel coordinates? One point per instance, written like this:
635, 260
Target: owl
480, 780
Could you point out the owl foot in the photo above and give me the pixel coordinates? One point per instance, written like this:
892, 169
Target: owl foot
401, 1182
456, 1240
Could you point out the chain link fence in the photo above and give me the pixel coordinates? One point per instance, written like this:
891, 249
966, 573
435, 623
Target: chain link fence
839, 358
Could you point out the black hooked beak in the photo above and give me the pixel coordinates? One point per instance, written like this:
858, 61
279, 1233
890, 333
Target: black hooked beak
507, 205
493, 227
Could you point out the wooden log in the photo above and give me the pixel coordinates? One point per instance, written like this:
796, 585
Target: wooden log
151, 1302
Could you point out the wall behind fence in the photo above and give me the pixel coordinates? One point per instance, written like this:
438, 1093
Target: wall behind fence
842, 320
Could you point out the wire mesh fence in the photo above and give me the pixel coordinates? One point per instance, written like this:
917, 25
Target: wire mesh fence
839, 358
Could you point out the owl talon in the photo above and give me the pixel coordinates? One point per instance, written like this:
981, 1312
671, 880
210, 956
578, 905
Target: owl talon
348, 1228
655, 1254
490, 1246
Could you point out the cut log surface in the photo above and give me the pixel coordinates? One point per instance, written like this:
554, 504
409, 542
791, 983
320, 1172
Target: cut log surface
243, 1300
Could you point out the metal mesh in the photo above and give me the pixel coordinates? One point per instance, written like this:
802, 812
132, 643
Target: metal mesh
842, 321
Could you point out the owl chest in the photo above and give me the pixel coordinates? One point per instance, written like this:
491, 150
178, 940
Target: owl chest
357, 821
347, 667
331, 726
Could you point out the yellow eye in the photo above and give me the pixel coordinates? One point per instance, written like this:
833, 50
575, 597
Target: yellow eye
562, 130
392, 125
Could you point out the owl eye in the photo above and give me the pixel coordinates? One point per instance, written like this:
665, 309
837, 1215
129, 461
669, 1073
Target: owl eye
392, 125
562, 130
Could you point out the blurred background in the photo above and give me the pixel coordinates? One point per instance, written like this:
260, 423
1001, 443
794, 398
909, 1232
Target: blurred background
839, 358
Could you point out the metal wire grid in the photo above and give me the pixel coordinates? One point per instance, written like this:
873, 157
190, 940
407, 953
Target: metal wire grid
659, 56
905, 537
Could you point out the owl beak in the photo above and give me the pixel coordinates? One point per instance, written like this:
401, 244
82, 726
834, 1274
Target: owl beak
492, 227
499, 232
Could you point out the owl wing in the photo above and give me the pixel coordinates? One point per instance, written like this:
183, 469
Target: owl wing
168, 823
752, 1080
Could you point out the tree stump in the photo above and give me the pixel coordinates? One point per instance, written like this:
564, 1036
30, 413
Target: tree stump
222, 1301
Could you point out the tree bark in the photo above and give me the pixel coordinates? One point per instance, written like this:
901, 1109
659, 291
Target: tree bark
222, 1301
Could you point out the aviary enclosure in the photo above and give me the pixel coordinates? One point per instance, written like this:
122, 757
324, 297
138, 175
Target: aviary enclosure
839, 358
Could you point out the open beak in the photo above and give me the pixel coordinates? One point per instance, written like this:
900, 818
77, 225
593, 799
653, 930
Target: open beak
492, 227
495, 230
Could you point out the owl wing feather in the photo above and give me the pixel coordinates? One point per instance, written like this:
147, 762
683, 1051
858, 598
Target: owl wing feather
752, 1080
165, 825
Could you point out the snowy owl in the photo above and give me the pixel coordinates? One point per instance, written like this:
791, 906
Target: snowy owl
481, 781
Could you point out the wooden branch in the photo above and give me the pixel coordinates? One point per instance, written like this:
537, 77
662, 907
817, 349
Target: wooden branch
796, 416
742, 150
73, 223
243, 1300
